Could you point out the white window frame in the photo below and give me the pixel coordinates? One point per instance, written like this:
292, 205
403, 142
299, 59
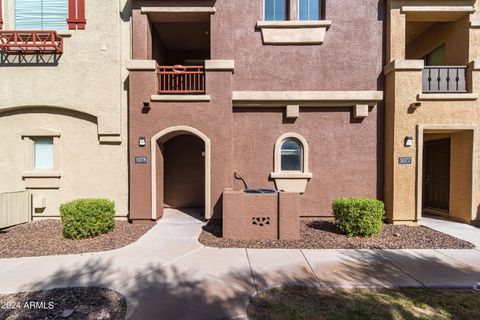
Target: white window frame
302, 155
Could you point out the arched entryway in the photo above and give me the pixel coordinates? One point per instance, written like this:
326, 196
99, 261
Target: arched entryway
180, 170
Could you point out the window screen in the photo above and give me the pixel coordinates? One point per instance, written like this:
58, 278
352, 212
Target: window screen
43, 154
276, 10
310, 9
41, 14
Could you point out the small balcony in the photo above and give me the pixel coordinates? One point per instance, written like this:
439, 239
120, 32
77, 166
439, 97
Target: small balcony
444, 79
180, 79
30, 42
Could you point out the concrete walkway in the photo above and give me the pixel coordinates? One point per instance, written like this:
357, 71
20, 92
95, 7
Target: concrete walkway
167, 274
456, 229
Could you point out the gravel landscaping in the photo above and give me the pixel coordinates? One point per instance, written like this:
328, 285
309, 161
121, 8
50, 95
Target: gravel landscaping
322, 234
365, 304
68, 303
44, 237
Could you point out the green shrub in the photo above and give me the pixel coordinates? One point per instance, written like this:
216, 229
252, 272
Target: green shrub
86, 218
358, 216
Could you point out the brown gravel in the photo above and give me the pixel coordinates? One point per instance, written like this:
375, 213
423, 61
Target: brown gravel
43, 238
86, 303
322, 234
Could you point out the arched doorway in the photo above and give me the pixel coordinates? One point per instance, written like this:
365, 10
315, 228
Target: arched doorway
181, 165
184, 172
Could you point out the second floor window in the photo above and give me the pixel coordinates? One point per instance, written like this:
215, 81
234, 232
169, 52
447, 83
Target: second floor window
41, 14
291, 155
276, 10
310, 9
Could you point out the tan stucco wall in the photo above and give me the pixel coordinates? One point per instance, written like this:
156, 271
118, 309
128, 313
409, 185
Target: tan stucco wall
402, 194
88, 169
461, 175
454, 35
89, 78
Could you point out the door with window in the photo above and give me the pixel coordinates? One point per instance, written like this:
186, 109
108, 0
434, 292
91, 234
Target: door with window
437, 174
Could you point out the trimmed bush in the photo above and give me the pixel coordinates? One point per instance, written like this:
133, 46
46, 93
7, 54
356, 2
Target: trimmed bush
85, 218
358, 216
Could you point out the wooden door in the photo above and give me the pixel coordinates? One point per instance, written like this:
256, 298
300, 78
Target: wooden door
437, 174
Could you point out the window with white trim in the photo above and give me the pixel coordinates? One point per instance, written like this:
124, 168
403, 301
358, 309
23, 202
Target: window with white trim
276, 10
41, 14
310, 9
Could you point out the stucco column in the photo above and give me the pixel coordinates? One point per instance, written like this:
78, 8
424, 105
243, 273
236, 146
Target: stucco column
141, 36
396, 35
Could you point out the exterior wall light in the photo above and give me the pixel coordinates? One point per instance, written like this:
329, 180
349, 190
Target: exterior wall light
408, 141
142, 142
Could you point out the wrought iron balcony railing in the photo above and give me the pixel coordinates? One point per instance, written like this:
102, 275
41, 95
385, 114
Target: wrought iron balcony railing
444, 79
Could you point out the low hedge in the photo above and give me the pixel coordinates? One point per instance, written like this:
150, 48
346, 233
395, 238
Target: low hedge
86, 218
358, 216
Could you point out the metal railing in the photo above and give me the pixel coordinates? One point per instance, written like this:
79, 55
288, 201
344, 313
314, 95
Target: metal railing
181, 79
444, 79
30, 42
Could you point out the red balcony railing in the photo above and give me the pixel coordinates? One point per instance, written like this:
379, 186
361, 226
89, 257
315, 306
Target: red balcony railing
180, 79
30, 42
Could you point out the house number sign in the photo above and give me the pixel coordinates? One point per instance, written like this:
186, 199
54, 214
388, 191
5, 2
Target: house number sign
141, 160
405, 160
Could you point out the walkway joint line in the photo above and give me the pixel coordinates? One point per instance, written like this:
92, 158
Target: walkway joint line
251, 270
319, 285
398, 268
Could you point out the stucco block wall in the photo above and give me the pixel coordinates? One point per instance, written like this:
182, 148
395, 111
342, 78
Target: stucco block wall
345, 153
261, 216
84, 97
88, 169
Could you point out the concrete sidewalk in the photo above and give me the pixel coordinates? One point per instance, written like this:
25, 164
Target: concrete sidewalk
167, 274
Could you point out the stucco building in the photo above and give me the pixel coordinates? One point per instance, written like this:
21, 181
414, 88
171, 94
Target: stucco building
287, 95
432, 100
63, 101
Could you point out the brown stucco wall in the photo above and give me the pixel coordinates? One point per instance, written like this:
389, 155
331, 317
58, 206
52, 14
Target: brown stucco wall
343, 152
346, 155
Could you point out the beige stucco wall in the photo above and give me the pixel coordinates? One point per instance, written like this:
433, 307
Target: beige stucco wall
89, 78
88, 169
401, 180
461, 175
403, 86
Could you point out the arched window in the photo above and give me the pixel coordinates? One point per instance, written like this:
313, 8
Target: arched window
291, 172
291, 155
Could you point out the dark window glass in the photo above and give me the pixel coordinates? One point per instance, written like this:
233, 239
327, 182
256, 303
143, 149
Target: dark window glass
275, 10
291, 155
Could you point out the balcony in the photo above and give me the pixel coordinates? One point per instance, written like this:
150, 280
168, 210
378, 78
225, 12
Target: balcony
444, 79
30, 42
180, 79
